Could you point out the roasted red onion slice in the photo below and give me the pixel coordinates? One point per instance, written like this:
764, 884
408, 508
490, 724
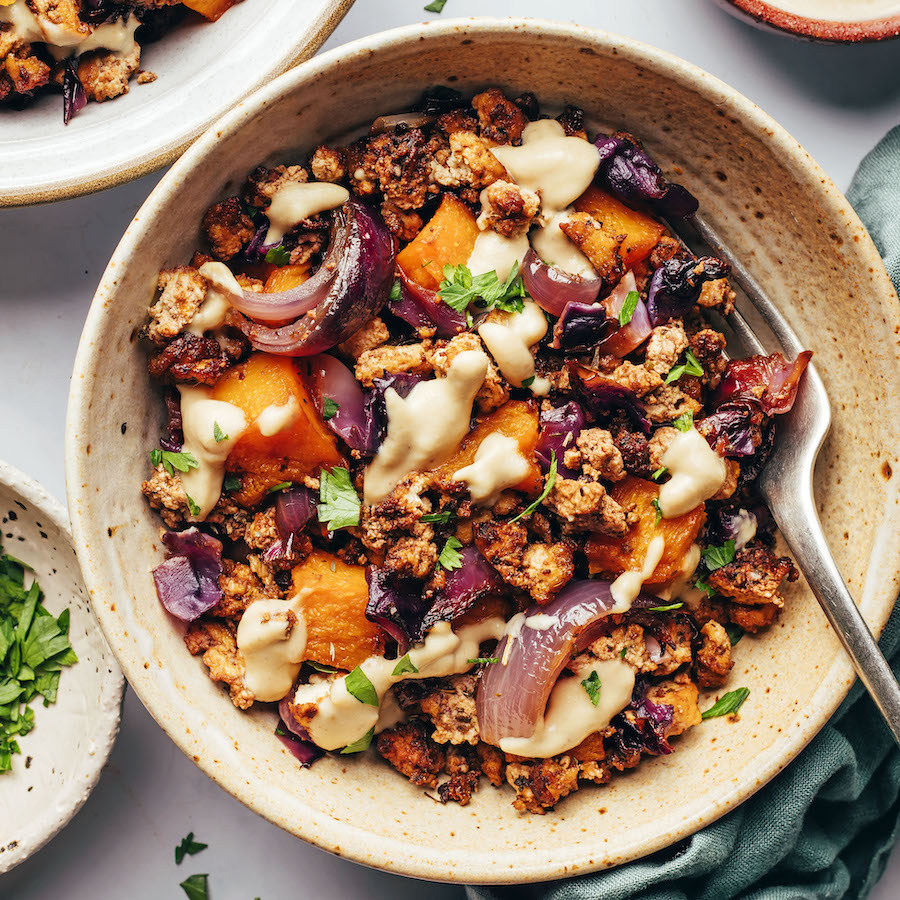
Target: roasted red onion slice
293, 509
187, 582
772, 381
297, 741
630, 336
560, 428
422, 308
513, 692
601, 396
330, 378
552, 288
349, 288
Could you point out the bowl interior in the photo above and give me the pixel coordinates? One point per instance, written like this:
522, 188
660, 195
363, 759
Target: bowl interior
61, 757
782, 216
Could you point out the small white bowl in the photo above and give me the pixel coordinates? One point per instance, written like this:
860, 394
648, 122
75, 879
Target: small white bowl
61, 758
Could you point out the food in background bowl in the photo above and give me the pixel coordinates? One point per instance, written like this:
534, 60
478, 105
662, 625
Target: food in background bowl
455, 465
89, 48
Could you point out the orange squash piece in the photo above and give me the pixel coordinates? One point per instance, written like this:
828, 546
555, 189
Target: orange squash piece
301, 449
333, 597
517, 419
616, 555
446, 240
210, 9
286, 278
642, 233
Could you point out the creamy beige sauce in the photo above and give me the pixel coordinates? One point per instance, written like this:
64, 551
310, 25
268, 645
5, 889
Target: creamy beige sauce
554, 248
697, 473
341, 719
222, 289
540, 622
275, 418
272, 639
498, 465
683, 577
200, 414
62, 42
494, 253
571, 716
627, 586
294, 202
746, 529
510, 340
840, 10
426, 427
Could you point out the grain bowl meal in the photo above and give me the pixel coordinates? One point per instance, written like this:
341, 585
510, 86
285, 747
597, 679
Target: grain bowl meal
90, 49
455, 465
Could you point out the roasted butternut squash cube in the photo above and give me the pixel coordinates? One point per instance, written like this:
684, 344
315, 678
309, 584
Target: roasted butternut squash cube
616, 555
300, 448
446, 240
642, 232
210, 9
333, 597
286, 278
516, 419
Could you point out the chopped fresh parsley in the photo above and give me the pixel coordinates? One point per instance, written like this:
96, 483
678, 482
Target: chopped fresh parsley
171, 460
623, 653
734, 632
321, 667
628, 307
196, 887
671, 606
192, 506
701, 585
188, 847
281, 731
231, 483
278, 256
483, 660
655, 504
460, 289
529, 381
691, 366
358, 684
282, 485
362, 744
440, 518
716, 557
436, 6
329, 408
450, 557
659, 473
338, 501
592, 685
685, 422
395, 291
34, 648
728, 704
404, 666
548, 486
218, 433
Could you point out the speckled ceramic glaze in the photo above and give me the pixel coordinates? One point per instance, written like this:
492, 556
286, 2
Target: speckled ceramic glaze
62, 756
203, 69
798, 236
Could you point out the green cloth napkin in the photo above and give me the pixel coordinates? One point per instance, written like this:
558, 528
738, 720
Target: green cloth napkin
823, 828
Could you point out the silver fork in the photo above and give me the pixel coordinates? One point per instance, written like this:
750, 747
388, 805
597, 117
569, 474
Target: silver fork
786, 483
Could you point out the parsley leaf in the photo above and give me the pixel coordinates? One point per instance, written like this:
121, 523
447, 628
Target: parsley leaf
460, 289
623, 653
727, 705
171, 460
734, 632
659, 473
338, 501
628, 307
529, 381
655, 504
395, 293
450, 557
548, 486
671, 606
321, 667
192, 506
716, 557
700, 584
483, 660
329, 408
436, 6
282, 485
362, 744
685, 422
592, 685
441, 518
188, 847
358, 684
404, 665
217, 433
196, 887
231, 483
691, 366
278, 256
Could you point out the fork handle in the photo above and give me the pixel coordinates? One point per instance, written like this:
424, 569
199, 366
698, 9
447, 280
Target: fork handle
807, 542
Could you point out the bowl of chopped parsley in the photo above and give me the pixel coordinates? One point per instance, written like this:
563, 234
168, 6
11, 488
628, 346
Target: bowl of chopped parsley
60, 686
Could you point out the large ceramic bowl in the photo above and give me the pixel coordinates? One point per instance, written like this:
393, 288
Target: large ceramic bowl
801, 240
203, 68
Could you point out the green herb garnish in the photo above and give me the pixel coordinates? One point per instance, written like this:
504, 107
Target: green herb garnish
460, 289
171, 460
196, 887
218, 433
358, 684
338, 501
436, 6
362, 744
623, 653
395, 293
188, 847
483, 660
671, 606
231, 483
329, 408
727, 705
404, 665
278, 256
659, 473
628, 307
548, 486
701, 585
734, 632
685, 422
716, 557
529, 381
591, 685
282, 485
321, 667
655, 504
690, 366
192, 506
440, 518
450, 557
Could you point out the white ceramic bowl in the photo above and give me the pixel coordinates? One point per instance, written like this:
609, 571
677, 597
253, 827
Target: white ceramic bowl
782, 216
62, 756
203, 69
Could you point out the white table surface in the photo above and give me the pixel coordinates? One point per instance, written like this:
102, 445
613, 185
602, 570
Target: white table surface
838, 101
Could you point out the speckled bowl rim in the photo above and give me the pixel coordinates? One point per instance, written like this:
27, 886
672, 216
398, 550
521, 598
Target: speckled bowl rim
114, 176
342, 838
880, 29
72, 799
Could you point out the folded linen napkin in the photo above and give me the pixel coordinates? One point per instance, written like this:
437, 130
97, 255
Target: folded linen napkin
825, 826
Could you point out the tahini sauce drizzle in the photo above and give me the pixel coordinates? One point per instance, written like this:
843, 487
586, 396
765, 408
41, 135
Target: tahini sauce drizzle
509, 338
294, 202
498, 465
627, 586
222, 289
697, 473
